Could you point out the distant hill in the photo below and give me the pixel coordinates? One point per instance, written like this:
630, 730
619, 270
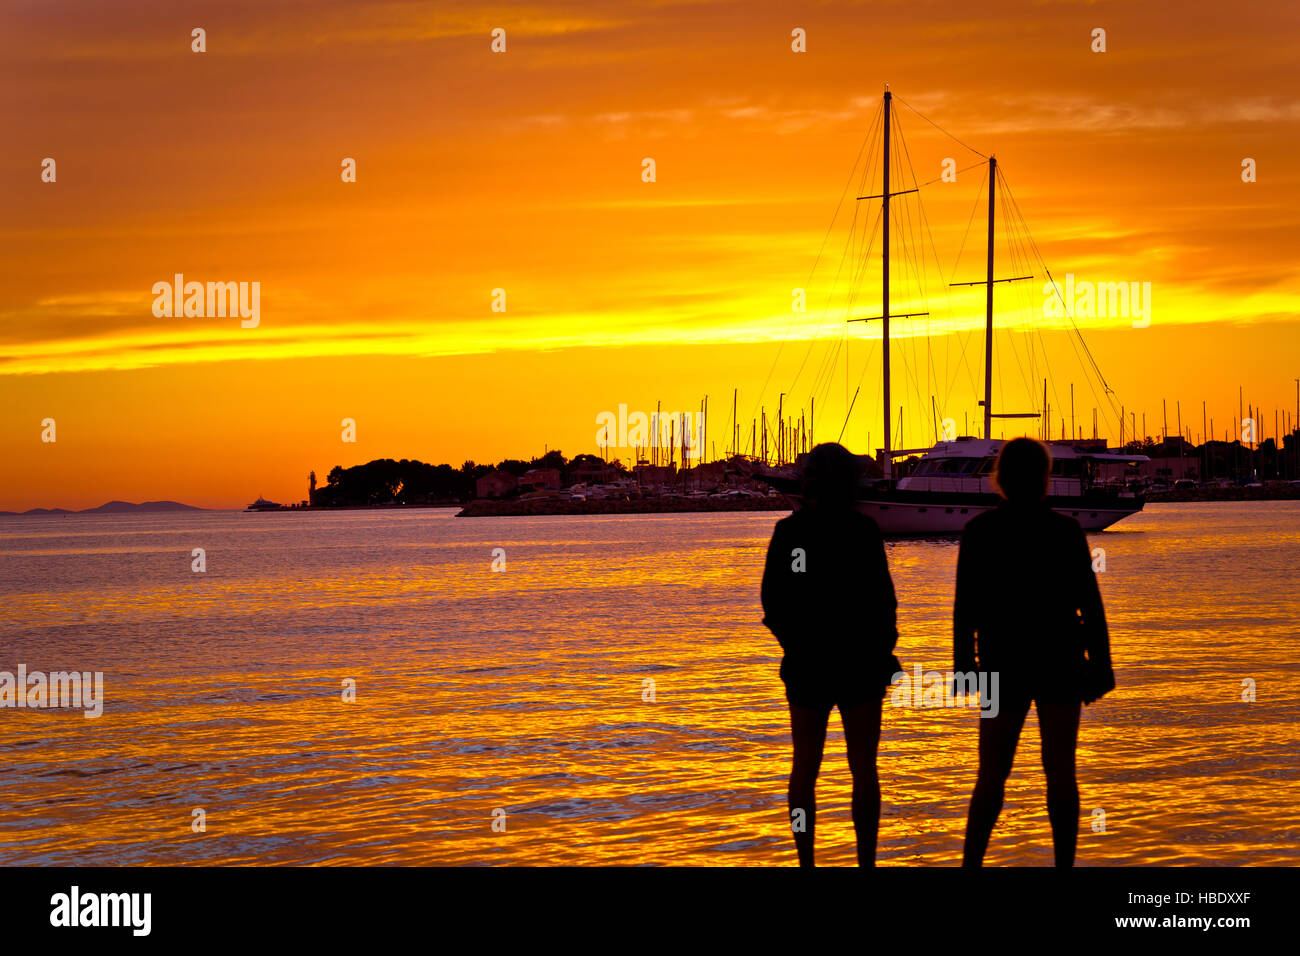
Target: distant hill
112, 508
120, 507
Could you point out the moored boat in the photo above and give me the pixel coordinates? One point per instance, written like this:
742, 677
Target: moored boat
953, 482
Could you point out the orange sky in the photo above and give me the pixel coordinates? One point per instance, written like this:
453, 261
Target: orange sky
522, 171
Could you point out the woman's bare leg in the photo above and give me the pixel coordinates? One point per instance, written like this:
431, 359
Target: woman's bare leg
1058, 725
998, 738
808, 730
862, 741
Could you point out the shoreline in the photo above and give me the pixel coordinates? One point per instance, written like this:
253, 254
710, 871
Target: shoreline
1226, 494
510, 507
493, 508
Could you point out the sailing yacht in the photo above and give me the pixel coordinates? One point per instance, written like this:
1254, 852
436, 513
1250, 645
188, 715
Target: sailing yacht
952, 481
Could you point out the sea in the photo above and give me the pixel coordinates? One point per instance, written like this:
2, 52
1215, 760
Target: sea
408, 687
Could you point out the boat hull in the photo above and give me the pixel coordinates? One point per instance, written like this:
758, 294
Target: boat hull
933, 513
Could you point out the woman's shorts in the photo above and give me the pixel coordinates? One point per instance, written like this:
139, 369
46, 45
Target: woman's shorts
853, 684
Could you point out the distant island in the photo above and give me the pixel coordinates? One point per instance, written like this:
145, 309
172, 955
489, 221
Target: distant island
110, 508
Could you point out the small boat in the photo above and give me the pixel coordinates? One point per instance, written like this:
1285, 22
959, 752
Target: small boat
261, 504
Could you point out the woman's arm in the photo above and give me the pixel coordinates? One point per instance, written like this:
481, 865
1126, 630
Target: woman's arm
1096, 638
775, 589
963, 607
880, 587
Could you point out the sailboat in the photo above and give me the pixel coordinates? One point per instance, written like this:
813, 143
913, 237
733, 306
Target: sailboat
952, 481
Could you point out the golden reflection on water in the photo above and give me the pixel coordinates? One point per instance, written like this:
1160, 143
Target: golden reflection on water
523, 691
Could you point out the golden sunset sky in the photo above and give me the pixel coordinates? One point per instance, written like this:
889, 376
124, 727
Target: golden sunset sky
523, 171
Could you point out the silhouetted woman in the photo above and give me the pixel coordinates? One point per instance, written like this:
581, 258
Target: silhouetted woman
1028, 608
828, 598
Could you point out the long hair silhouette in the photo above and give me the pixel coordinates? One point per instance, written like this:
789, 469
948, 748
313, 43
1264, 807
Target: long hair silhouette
1028, 608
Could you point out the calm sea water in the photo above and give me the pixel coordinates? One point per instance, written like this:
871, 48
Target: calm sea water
522, 691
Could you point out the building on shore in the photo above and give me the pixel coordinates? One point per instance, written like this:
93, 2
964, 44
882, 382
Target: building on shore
496, 484
654, 477
540, 479
595, 473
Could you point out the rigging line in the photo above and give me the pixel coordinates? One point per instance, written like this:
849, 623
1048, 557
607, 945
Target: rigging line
862, 265
1016, 261
1036, 330
965, 235
930, 182
910, 264
1079, 335
1013, 255
1056, 391
961, 338
839, 205
906, 230
1018, 220
866, 173
830, 308
871, 353
850, 294
937, 126
1038, 252
1016, 225
916, 233
910, 267
965, 338
855, 285
924, 227
1023, 264
859, 255
909, 368
826, 374
920, 206
830, 359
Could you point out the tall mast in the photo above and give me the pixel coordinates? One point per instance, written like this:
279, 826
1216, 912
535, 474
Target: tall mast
884, 197
988, 325
988, 282
884, 286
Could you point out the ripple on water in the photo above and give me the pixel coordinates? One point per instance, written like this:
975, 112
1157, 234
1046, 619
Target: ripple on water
524, 693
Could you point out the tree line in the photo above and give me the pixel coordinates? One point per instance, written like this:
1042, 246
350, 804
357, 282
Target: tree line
409, 481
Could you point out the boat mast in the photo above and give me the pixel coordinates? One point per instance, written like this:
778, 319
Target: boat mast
884, 197
988, 325
887, 464
989, 282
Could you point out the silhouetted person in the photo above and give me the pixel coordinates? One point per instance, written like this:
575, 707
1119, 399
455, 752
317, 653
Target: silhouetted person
828, 598
1028, 608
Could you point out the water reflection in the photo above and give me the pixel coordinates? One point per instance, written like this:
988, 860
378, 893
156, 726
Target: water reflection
523, 691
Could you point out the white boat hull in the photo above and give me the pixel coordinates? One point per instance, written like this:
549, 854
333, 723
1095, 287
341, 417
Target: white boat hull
901, 518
